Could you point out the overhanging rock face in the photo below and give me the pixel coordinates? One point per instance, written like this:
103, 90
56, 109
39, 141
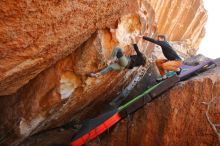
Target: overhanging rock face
48, 48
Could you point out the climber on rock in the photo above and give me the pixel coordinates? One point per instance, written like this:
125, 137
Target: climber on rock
119, 61
172, 61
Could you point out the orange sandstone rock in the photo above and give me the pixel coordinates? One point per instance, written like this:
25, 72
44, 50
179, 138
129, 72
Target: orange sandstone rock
48, 48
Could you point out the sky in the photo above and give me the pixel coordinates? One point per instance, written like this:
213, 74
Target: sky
210, 45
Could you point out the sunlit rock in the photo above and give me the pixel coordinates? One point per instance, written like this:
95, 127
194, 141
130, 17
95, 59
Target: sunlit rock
49, 48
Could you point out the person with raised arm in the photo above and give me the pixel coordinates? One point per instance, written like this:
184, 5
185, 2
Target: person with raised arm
172, 62
120, 61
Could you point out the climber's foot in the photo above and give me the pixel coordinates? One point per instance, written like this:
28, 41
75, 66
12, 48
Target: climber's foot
179, 71
96, 75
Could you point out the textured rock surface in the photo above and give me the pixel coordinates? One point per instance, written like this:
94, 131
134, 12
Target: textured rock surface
47, 48
182, 20
186, 115
36, 34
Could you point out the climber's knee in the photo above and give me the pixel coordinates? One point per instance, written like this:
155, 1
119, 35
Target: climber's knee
119, 53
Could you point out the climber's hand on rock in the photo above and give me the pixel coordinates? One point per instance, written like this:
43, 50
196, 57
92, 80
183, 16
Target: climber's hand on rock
140, 36
134, 39
131, 38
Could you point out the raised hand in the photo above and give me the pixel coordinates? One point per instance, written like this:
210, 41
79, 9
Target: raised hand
132, 40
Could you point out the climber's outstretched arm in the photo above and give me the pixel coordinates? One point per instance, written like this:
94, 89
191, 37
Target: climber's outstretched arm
151, 40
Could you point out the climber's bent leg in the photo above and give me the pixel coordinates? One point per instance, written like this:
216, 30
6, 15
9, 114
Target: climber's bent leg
117, 52
112, 67
123, 61
159, 64
173, 65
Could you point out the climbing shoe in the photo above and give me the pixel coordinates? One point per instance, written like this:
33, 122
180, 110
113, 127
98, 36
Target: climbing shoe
178, 72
